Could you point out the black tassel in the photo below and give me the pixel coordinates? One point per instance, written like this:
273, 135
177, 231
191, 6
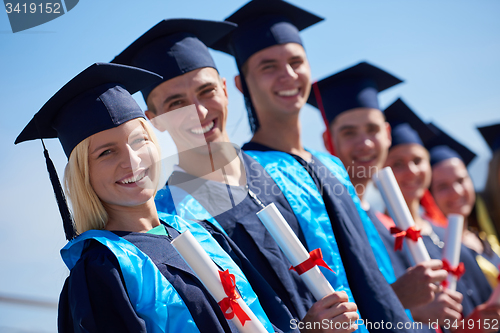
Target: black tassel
68, 225
252, 115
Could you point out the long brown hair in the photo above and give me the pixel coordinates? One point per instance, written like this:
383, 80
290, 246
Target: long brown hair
491, 193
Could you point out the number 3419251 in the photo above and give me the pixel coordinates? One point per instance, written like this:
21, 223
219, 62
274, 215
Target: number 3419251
25, 8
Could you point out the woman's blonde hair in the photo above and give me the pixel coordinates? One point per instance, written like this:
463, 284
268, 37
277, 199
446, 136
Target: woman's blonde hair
491, 192
88, 210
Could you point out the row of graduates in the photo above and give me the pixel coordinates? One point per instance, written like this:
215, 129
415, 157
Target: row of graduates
124, 273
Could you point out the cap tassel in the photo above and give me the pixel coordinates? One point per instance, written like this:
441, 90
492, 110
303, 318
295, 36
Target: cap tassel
252, 116
432, 210
68, 225
317, 95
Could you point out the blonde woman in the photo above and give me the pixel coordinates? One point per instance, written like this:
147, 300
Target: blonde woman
125, 276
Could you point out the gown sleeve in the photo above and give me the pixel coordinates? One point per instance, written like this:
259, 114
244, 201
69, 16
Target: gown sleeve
277, 312
94, 297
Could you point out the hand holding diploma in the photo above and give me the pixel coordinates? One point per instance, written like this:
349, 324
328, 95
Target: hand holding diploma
221, 285
331, 306
446, 306
451, 251
419, 284
304, 263
398, 210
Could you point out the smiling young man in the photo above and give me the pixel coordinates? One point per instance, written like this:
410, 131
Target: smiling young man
274, 77
213, 179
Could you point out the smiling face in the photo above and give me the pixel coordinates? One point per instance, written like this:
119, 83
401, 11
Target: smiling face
452, 187
362, 139
278, 79
412, 169
123, 166
201, 91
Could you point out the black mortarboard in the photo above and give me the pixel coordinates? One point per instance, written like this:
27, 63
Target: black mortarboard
264, 23
491, 135
406, 126
174, 47
444, 147
261, 24
354, 87
97, 99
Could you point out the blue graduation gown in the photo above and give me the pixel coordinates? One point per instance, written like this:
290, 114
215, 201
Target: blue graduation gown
273, 305
473, 285
374, 296
399, 259
256, 243
94, 297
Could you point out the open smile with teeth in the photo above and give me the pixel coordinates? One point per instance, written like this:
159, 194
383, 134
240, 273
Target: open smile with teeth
203, 130
365, 159
134, 179
291, 92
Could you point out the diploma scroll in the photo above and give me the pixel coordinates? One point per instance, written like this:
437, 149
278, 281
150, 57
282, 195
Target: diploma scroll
451, 250
219, 284
399, 212
295, 251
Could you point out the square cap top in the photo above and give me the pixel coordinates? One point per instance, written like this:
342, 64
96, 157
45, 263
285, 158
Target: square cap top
264, 23
97, 99
406, 126
174, 47
491, 135
354, 87
444, 147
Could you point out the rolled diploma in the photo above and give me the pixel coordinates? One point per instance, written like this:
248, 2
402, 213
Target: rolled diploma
399, 212
452, 245
294, 250
208, 273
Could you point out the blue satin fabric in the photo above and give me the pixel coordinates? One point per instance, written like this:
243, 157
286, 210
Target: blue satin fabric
376, 243
191, 208
154, 299
219, 256
302, 194
192, 211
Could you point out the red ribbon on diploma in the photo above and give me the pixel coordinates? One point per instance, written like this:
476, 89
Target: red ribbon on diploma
457, 271
411, 233
231, 301
315, 259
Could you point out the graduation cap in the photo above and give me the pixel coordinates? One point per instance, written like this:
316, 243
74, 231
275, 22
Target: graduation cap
97, 99
354, 87
264, 23
261, 24
174, 47
491, 135
406, 126
444, 147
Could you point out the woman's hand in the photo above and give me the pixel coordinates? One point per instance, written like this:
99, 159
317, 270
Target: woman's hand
332, 313
419, 284
446, 306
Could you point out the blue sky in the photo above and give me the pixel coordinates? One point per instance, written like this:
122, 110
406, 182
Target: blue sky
447, 52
